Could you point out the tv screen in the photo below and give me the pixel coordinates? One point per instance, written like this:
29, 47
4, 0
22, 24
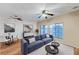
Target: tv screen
9, 28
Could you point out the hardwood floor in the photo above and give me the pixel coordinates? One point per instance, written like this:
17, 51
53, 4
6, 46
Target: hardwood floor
13, 49
76, 51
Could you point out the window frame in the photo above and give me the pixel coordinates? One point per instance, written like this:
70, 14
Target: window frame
59, 35
44, 29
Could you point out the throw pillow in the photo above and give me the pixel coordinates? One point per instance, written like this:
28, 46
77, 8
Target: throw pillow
31, 40
47, 36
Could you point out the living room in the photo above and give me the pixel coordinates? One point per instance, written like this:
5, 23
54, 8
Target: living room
43, 23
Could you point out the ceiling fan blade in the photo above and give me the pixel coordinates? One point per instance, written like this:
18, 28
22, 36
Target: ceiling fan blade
16, 18
50, 14
19, 19
46, 17
39, 16
43, 12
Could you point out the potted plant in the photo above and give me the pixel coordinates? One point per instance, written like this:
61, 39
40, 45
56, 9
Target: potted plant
37, 31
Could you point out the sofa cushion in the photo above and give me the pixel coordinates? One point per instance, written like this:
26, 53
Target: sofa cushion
43, 36
24, 45
32, 40
51, 36
27, 40
47, 35
38, 38
35, 45
47, 40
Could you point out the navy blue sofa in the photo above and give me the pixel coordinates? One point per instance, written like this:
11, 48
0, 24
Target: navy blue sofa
39, 42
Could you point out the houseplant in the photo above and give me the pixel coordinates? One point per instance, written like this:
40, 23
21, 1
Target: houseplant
37, 31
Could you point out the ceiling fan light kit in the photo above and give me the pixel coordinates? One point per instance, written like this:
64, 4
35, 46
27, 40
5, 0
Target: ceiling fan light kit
46, 17
45, 14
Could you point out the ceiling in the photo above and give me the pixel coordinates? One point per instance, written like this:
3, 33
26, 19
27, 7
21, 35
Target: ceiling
31, 11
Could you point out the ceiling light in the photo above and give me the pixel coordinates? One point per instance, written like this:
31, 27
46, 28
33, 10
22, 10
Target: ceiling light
44, 15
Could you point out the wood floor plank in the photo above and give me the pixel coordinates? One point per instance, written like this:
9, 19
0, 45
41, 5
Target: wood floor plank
76, 51
13, 49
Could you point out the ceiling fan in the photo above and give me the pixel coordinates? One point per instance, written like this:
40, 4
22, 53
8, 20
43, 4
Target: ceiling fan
46, 13
16, 17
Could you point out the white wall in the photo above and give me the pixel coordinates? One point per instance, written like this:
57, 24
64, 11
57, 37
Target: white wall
18, 26
71, 27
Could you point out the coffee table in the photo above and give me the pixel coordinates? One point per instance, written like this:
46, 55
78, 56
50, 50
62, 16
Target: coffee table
53, 48
55, 44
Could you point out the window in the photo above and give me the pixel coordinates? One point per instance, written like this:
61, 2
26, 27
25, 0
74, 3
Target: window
43, 29
57, 30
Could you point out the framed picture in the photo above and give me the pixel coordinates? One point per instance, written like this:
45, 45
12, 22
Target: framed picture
8, 27
27, 28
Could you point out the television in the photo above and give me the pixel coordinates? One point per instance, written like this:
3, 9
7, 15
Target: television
9, 28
